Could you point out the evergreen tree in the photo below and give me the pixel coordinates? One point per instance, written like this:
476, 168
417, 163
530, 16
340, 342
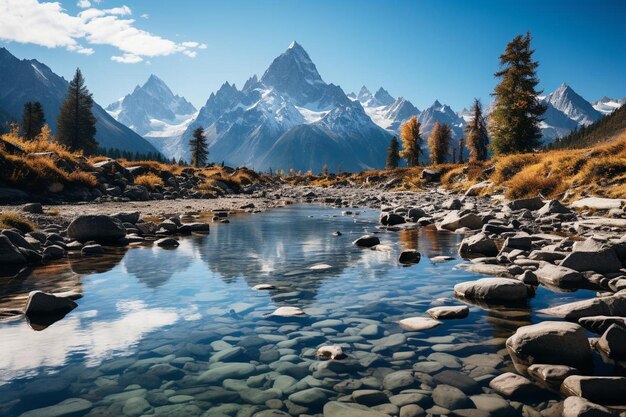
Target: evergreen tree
411, 141
439, 143
393, 153
33, 120
514, 122
477, 134
199, 148
76, 124
461, 148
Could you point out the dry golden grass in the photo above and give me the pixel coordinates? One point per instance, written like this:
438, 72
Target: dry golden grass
13, 220
149, 180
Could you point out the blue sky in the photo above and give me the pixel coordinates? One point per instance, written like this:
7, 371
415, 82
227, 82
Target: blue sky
422, 50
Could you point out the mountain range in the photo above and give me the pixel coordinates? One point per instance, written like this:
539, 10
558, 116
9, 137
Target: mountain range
30, 80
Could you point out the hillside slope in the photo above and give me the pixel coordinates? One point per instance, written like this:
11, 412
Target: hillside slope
604, 130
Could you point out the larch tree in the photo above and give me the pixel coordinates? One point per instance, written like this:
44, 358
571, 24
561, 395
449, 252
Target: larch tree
514, 122
76, 124
393, 153
199, 148
411, 141
33, 120
477, 134
439, 143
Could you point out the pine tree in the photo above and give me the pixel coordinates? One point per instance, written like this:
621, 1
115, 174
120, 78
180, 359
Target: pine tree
393, 153
514, 122
33, 120
76, 124
477, 134
461, 148
199, 148
439, 143
411, 141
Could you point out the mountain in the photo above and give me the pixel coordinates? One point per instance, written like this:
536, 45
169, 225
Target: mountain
384, 110
30, 80
290, 118
576, 108
608, 105
155, 113
443, 114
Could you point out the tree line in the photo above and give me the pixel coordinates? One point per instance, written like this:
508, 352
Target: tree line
513, 125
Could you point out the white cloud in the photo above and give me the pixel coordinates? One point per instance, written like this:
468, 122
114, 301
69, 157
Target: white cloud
145, 16
48, 24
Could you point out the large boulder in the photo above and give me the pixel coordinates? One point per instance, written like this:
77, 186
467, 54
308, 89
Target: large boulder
613, 342
98, 227
553, 207
513, 385
600, 324
580, 407
493, 290
41, 303
367, 241
599, 389
455, 220
9, 254
559, 276
602, 261
548, 342
391, 219
614, 305
479, 244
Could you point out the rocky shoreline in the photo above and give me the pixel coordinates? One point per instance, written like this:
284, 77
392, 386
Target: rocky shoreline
518, 245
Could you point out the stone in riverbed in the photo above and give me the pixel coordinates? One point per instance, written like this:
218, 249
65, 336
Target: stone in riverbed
99, 227
613, 342
544, 343
450, 397
167, 242
236, 370
260, 287
35, 208
391, 219
513, 385
369, 397
448, 312
458, 380
330, 352
553, 375
41, 303
9, 254
454, 221
603, 261
478, 244
135, 406
415, 324
599, 389
409, 257
600, 324
534, 203
399, 380
553, 207
557, 275
580, 407
94, 249
340, 409
493, 290
309, 397
287, 312
367, 241
614, 305
71, 406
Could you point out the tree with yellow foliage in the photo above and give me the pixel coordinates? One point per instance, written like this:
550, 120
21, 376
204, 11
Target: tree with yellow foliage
411, 141
439, 143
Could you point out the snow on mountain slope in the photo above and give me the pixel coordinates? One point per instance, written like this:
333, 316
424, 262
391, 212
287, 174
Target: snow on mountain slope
290, 118
384, 110
154, 112
608, 105
576, 108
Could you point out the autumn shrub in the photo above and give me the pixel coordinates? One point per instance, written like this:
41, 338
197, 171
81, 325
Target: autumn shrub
507, 166
11, 219
149, 180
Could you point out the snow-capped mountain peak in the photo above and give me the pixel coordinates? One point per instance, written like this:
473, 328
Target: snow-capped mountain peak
383, 97
566, 100
608, 105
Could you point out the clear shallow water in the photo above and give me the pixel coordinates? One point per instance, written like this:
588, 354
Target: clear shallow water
148, 306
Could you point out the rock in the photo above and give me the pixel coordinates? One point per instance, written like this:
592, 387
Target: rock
260, 287
552, 375
431, 175
415, 214
41, 303
412, 410
529, 278
493, 289
71, 406
553, 207
452, 204
9, 254
287, 312
330, 352
518, 242
415, 324
391, 219
99, 228
614, 305
495, 405
543, 343
127, 217
409, 257
534, 203
613, 342
94, 249
53, 252
369, 397
478, 244
454, 221
367, 241
236, 370
600, 324
167, 242
34, 208
557, 275
458, 380
477, 189
598, 389
135, 406
337, 409
513, 385
147, 228
598, 203
309, 397
579, 407
603, 261
450, 397
448, 312
398, 380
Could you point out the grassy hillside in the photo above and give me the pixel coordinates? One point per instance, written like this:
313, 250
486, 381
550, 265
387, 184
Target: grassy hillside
603, 130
